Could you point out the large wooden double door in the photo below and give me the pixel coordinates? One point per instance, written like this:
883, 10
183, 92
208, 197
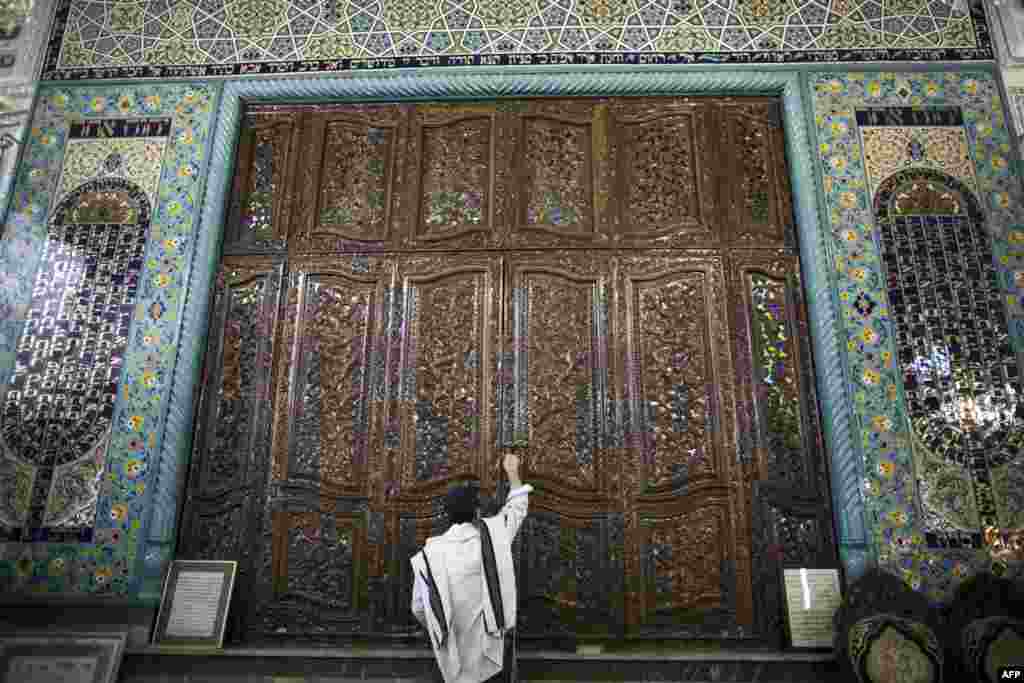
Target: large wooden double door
610, 286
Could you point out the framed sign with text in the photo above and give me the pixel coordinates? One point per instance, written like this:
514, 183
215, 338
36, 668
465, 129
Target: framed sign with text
61, 657
812, 598
194, 606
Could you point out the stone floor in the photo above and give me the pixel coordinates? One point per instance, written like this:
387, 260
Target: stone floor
269, 666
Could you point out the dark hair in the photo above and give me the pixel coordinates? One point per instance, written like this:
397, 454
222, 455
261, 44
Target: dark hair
462, 502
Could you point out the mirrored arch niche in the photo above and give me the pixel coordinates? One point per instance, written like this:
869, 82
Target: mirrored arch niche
961, 377
56, 419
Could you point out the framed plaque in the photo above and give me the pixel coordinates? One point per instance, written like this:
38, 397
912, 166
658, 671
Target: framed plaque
61, 657
194, 606
812, 598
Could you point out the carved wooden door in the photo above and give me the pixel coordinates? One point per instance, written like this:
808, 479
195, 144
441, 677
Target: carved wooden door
313, 544
557, 403
685, 541
231, 452
440, 400
610, 285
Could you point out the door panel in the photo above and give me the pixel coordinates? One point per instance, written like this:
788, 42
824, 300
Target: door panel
759, 204
673, 341
568, 571
557, 321
317, 561
234, 410
355, 159
328, 435
679, 378
563, 173
781, 427
446, 318
239, 373
666, 193
260, 212
457, 183
359, 153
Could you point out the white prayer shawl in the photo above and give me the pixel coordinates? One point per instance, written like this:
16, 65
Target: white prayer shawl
497, 606
498, 618
439, 626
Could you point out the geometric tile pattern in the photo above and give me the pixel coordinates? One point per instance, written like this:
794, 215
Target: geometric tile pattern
842, 103
154, 38
76, 138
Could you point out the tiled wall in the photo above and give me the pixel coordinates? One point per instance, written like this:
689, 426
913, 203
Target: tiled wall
108, 533
972, 145
167, 165
140, 151
23, 32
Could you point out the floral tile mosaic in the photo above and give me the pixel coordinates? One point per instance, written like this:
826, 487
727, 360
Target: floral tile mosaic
149, 140
889, 149
951, 123
191, 38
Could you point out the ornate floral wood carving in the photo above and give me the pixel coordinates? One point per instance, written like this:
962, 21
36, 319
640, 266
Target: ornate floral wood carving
259, 215
558, 320
349, 189
456, 194
442, 411
232, 445
441, 299
665, 189
759, 201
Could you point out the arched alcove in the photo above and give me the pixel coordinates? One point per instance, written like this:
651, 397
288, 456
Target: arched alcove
57, 416
960, 375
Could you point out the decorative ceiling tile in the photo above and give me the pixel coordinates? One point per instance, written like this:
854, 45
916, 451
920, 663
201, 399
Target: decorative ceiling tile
299, 35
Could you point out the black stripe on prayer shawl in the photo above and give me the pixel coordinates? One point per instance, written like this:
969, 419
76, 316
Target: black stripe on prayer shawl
491, 572
435, 601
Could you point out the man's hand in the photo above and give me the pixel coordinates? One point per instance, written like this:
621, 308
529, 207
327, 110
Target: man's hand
511, 465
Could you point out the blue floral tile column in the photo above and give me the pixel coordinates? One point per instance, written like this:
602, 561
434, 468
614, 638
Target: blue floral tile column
932, 113
176, 120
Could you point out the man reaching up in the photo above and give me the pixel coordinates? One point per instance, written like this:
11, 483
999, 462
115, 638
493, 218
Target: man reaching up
464, 591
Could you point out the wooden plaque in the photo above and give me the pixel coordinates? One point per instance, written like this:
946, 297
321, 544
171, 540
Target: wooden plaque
194, 606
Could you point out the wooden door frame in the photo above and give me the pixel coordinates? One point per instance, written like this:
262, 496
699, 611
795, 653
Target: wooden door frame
792, 89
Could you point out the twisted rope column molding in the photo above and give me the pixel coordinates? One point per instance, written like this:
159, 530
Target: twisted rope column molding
846, 463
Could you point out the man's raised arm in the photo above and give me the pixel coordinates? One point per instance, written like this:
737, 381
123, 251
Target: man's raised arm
514, 511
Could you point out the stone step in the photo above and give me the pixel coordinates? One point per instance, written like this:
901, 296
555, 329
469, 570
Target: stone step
384, 665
